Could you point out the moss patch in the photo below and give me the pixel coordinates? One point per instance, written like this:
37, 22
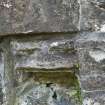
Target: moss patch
67, 79
63, 49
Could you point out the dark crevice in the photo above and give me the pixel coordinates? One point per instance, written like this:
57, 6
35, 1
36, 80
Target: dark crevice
39, 33
48, 84
55, 95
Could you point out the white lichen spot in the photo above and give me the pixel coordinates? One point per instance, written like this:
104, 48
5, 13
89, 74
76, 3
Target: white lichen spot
96, 103
7, 5
23, 103
102, 28
97, 55
96, 27
54, 44
28, 31
88, 101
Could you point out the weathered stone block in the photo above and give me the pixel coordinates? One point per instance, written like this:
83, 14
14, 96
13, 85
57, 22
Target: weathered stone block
92, 56
92, 82
94, 98
44, 53
92, 15
22, 16
91, 52
9, 82
5, 11
48, 60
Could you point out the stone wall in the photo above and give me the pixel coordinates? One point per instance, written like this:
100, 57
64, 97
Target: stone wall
52, 52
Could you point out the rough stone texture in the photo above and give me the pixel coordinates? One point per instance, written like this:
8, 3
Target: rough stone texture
93, 81
94, 98
45, 52
92, 15
57, 59
40, 70
1, 78
45, 96
30, 63
9, 74
5, 24
49, 89
22, 16
92, 75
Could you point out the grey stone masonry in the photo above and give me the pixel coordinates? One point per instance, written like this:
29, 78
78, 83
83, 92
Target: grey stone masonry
92, 16
39, 70
45, 52
52, 52
22, 16
92, 74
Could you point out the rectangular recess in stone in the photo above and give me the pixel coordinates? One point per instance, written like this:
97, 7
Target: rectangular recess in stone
44, 52
91, 51
92, 82
49, 88
94, 98
92, 15
45, 16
